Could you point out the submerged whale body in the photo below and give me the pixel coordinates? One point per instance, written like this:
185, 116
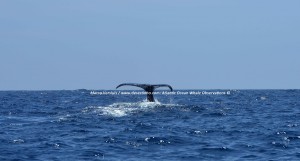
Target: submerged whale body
149, 88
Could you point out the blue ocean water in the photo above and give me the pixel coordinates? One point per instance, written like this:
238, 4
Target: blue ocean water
78, 125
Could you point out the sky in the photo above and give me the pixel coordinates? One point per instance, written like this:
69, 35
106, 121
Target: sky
212, 44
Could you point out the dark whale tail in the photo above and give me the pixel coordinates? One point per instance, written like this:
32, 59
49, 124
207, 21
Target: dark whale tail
148, 88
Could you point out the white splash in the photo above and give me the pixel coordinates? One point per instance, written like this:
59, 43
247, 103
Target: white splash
124, 108
263, 98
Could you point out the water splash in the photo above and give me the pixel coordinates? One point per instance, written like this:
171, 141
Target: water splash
125, 108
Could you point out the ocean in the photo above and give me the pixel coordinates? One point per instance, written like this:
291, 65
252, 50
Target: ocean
185, 125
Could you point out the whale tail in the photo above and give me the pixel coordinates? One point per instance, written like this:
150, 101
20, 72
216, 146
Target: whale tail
147, 87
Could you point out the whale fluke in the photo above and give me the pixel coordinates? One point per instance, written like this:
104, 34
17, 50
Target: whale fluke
148, 88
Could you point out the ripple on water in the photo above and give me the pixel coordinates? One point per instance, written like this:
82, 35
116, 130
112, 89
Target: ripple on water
70, 125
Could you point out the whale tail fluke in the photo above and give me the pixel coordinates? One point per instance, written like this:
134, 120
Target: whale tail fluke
147, 87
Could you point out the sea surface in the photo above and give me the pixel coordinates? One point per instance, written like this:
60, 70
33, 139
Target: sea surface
208, 125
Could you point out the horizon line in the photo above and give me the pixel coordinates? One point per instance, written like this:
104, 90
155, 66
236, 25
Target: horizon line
142, 89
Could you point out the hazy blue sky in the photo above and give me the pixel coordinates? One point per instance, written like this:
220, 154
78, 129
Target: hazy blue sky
189, 44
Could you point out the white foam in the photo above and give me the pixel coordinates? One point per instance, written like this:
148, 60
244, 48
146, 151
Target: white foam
124, 108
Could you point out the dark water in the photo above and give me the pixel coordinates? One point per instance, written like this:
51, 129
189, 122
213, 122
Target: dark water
75, 125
